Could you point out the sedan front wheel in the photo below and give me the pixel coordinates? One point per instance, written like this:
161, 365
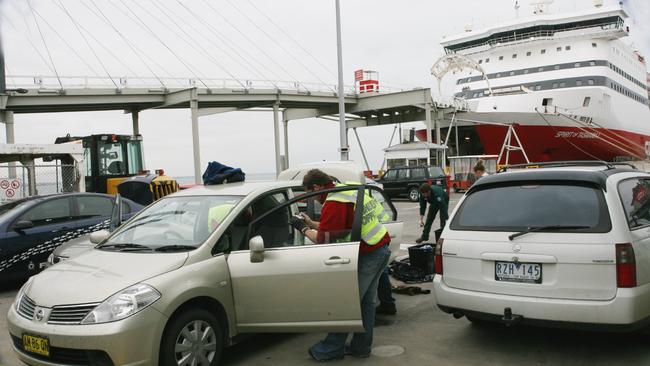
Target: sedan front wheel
192, 338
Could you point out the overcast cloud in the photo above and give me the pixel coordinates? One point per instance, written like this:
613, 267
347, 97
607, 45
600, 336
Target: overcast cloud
400, 39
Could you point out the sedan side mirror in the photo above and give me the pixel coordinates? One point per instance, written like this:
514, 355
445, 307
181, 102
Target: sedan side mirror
22, 225
256, 246
99, 236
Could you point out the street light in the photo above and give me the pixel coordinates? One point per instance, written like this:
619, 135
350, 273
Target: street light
342, 125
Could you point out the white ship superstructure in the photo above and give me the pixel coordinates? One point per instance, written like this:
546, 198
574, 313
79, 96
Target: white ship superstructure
569, 82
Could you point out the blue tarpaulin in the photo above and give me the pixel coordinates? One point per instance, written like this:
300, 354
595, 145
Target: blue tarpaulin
217, 173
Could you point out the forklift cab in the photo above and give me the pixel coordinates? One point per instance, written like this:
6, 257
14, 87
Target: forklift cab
108, 157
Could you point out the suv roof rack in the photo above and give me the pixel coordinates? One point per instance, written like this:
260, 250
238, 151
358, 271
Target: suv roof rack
552, 164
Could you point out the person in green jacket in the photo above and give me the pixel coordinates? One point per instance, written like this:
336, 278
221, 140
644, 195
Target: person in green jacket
438, 200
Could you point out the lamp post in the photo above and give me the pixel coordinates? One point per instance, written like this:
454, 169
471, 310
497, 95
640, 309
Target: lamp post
342, 124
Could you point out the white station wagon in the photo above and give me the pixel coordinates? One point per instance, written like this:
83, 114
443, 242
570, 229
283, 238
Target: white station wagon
564, 246
189, 273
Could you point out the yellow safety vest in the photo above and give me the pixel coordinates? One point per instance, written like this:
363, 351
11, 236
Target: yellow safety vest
217, 213
372, 230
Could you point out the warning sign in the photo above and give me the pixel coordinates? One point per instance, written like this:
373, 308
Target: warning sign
10, 189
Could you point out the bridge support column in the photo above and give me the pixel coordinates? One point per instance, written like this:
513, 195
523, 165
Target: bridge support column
196, 146
286, 142
429, 124
8, 118
276, 137
135, 118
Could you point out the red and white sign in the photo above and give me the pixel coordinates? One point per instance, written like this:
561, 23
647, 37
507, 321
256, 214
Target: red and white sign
358, 75
10, 189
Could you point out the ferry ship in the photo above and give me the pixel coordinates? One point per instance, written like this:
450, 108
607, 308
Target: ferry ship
571, 86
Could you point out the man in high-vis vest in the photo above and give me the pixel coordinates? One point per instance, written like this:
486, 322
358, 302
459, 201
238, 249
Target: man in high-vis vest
216, 214
335, 225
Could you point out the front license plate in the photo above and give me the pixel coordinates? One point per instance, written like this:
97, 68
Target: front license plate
518, 272
35, 344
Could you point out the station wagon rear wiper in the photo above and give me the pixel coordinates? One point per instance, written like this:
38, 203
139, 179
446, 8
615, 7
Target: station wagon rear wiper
169, 248
546, 228
130, 247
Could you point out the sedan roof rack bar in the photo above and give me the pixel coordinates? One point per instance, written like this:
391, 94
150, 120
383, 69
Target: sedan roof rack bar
549, 164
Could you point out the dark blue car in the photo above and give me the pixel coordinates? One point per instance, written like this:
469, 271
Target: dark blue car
30, 228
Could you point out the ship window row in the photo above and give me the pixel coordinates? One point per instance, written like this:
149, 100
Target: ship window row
555, 84
568, 65
529, 53
624, 74
627, 92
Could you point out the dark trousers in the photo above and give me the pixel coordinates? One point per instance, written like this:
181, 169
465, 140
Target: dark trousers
431, 215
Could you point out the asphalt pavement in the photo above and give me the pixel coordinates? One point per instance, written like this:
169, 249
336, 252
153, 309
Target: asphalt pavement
420, 334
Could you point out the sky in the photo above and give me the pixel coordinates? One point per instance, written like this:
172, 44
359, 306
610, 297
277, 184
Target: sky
242, 39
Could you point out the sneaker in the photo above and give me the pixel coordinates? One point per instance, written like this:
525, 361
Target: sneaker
323, 359
349, 352
386, 309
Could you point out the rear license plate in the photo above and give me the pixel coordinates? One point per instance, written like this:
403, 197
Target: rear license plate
35, 344
518, 272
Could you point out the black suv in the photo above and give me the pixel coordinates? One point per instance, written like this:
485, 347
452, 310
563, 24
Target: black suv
405, 180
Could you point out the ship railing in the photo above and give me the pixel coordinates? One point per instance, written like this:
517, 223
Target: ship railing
446, 101
539, 34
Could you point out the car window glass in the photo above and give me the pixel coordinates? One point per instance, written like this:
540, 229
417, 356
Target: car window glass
435, 171
274, 228
391, 175
403, 174
7, 207
519, 207
185, 220
90, 206
418, 173
49, 212
635, 195
125, 207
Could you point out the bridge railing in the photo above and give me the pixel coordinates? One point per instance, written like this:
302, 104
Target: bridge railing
42, 82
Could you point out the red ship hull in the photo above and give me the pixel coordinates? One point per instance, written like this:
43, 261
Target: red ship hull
558, 143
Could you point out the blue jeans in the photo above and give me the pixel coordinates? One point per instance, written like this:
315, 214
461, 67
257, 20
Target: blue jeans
384, 290
371, 266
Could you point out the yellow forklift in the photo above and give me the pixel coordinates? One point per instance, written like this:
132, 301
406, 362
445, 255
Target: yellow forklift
115, 164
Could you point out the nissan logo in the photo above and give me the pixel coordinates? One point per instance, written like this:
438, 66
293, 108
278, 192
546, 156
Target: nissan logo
39, 314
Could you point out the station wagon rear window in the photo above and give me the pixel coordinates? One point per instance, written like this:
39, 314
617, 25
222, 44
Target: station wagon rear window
523, 206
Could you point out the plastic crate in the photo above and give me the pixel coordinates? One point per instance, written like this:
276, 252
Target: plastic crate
421, 256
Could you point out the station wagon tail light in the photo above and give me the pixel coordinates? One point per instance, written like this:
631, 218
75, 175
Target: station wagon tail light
438, 257
625, 266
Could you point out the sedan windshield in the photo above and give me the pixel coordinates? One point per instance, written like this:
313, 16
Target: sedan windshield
175, 223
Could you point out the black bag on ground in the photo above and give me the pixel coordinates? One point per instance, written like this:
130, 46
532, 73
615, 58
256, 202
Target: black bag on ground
405, 272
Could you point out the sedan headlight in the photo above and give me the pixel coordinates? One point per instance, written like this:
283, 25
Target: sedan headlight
123, 304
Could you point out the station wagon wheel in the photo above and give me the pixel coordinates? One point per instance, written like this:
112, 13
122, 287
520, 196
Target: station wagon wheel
192, 338
414, 194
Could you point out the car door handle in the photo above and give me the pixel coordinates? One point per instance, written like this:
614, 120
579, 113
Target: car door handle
336, 260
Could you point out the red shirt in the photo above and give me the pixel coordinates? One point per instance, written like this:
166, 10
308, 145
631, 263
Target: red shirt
336, 221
